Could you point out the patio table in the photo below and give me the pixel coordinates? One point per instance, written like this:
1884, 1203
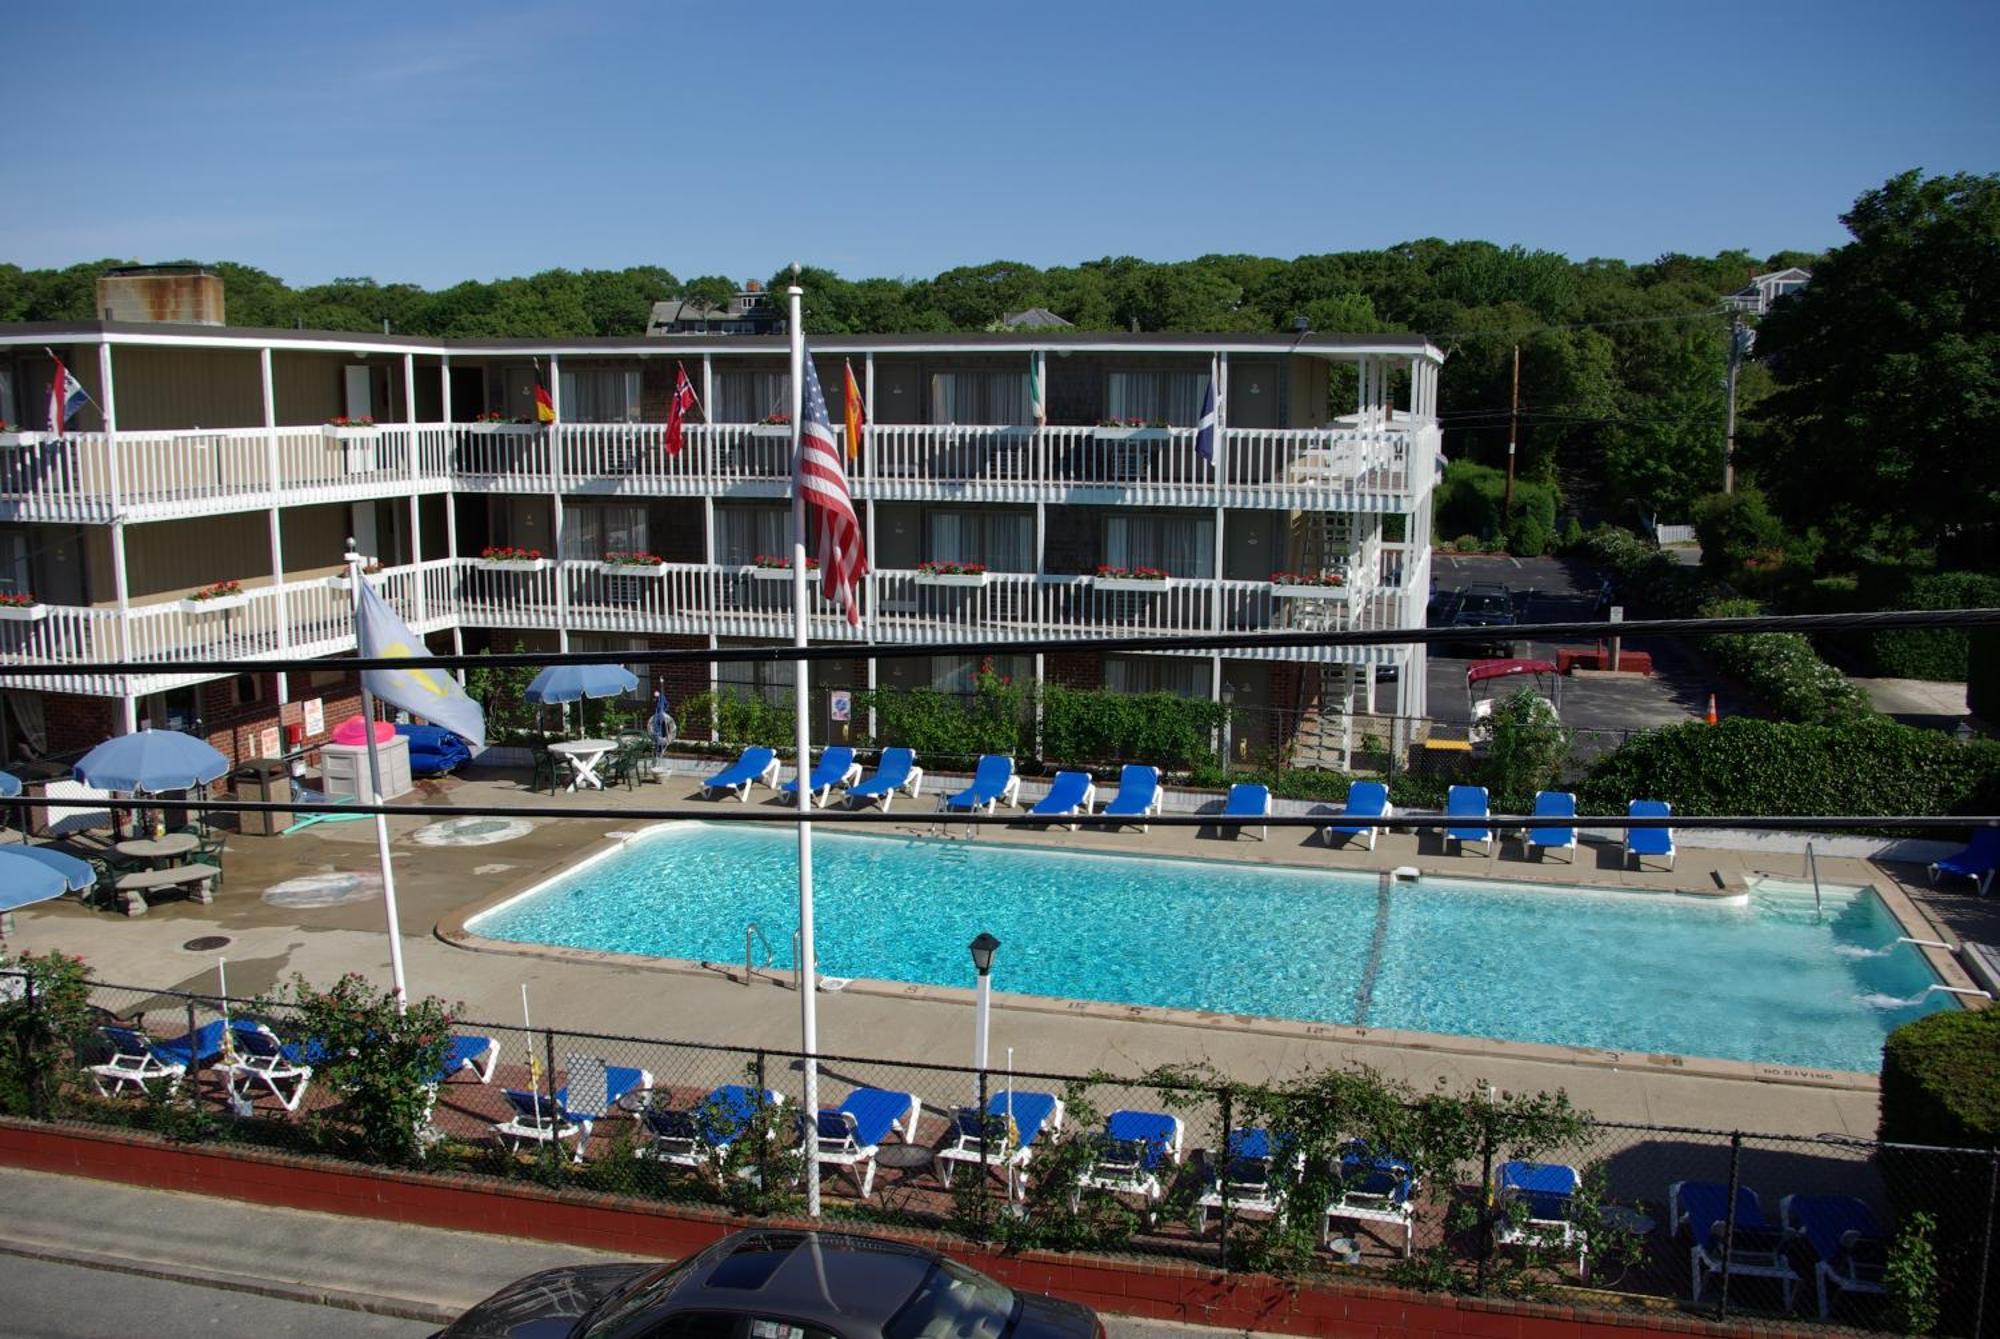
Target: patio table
583, 756
159, 851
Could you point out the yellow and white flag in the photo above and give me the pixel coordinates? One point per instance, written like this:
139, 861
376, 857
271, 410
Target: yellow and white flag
430, 693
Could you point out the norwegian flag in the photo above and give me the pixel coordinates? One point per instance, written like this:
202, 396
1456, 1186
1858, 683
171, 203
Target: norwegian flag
683, 401
822, 482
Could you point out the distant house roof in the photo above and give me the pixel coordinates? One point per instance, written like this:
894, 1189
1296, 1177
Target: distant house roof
1757, 295
1032, 318
746, 313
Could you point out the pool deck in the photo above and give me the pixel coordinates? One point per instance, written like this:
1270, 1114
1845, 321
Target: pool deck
439, 884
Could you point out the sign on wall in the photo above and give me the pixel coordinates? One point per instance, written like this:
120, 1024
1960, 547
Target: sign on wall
267, 742
315, 710
840, 705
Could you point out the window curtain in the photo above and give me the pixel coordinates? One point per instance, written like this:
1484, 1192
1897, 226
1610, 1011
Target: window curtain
751, 397
1181, 546
1155, 674
988, 398
590, 532
1003, 542
956, 674
600, 395
742, 533
1170, 397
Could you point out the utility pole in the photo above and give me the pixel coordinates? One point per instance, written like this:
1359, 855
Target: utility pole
1513, 433
1729, 429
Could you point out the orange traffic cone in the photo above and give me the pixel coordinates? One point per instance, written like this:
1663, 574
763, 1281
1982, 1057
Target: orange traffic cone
1712, 718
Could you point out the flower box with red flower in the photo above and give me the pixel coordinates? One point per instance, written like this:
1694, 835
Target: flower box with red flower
951, 574
1310, 585
771, 567
356, 439
633, 564
21, 607
10, 436
777, 426
506, 558
1147, 580
215, 599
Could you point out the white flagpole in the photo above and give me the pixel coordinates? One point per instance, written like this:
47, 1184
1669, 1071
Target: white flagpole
375, 798
808, 982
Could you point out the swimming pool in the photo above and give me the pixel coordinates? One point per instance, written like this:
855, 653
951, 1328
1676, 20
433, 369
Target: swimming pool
1764, 977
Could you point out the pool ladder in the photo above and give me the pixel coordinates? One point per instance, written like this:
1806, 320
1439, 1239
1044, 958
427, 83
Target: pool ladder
1812, 867
754, 934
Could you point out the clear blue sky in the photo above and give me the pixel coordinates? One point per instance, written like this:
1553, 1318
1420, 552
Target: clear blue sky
437, 142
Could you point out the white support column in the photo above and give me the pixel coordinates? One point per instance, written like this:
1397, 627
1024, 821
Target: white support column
121, 585
708, 408
556, 501
273, 520
714, 682
868, 433
450, 512
416, 474
1218, 370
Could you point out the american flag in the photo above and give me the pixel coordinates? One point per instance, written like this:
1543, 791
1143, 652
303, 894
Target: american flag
823, 484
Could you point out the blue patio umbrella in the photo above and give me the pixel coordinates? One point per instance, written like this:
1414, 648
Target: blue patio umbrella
151, 761
77, 874
24, 882
569, 683
10, 785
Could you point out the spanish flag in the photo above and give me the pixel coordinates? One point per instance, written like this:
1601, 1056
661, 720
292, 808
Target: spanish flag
856, 414
545, 408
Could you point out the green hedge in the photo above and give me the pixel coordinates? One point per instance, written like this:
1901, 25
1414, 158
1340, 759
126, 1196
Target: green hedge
940, 726
743, 720
1746, 766
1940, 654
1468, 502
1083, 726
1941, 1080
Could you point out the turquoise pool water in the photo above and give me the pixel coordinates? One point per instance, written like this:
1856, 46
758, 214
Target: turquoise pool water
1770, 980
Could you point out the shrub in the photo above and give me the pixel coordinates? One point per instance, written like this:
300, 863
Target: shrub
1528, 751
1749, 766
1469, 502
1781, 668
1082, 725
1941, 1080
744, 719
1736, 529
381, 1061
1940, 654
940, 726
38, 1043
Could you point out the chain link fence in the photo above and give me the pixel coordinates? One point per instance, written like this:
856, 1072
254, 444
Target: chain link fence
1490, 1195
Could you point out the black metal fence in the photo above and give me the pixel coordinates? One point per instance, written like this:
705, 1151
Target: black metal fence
1171, 1165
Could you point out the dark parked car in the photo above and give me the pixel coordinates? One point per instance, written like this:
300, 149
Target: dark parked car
775, 1285
1483, 606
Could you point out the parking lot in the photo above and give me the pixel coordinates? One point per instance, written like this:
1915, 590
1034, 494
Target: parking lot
1554, 590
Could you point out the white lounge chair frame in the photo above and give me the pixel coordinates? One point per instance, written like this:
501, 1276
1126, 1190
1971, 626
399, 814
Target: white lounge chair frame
1823, 1270
553, 1123
1131, 1178
1010, 1156
137, 1070
857, 1159
912, 786
271, 1068
1742, 1263
768, 778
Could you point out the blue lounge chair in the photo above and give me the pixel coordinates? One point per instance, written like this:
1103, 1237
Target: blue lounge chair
1374, 1188
756, 765
836, 767
136, 1061
1643, 842
1976, 862
1248, 1175
1846, 1238
477, 1055
1467, 802
1365, 799
1013, 1121
262, 1059
1758, 1250
1138, 796
1128, 1157
1546, 1195
1248, 799
896, 771
850, 1134
1070, 794
701, 1136
539, 1119
993, 782
1552, 804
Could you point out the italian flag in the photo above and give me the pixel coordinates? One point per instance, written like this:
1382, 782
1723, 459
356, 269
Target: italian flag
1038, 404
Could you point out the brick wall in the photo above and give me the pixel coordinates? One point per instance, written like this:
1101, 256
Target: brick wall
1074, 669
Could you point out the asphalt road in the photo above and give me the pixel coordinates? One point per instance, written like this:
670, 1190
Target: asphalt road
1558, 591
40, 1300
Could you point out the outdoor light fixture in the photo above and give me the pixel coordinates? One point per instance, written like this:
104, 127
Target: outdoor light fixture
983, 949
982, 952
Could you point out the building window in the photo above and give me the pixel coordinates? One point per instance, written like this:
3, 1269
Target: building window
751, 397
743, 534
643, 691
590, 532
246, 690
1156, 397
600, 395
1156, 674
979, 397
958, 674
321, 679
1002, 541
175, 709
1181, 546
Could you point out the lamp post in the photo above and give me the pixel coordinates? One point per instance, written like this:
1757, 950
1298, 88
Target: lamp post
982, 962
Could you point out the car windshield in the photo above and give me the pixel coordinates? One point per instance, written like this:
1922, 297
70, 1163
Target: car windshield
1475, 602
954, 1302
613, 1312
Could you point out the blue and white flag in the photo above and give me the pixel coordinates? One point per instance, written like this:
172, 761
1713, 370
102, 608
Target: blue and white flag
66, 396
429, 693
1204, 437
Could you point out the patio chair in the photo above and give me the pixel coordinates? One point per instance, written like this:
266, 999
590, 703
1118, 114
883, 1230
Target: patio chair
1004, 1137
1374, 1188
1552, 804
1757, 1251
896, 771
1131, 1153
208, 850
849, 1135
546, 770
1365, 799
1467, 802
1536, 1201
702, 1135
1248, 1177
836, 767
993, 782
1845, 1237
1643, 842
469, 1054
539, 1119
1138, 797
756, 765
1248, 799
262, 1059
1070, 794
135, 1062
1976, 862
637, 746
